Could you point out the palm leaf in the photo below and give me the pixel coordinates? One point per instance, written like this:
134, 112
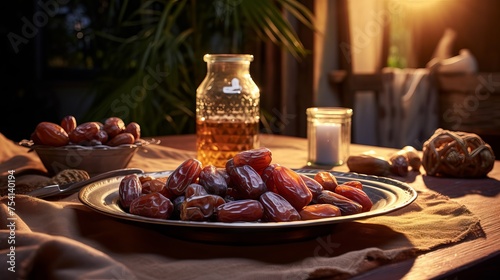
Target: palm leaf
169, 39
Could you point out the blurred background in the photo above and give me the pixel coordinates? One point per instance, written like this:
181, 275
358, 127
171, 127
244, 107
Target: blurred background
405, 66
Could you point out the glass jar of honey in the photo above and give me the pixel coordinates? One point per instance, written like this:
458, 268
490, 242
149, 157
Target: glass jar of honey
227, 109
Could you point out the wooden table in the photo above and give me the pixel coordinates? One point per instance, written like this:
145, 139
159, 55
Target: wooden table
88, 242
478, 258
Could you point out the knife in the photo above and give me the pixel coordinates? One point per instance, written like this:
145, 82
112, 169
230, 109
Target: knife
56, 189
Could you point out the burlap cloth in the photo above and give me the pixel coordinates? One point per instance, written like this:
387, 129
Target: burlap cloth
66, 240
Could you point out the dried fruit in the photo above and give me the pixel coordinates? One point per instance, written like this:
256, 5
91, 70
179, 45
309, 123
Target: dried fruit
101, 137
153, 205
356, 195
68, 123
113, 126
134, 129
347, 206
267, 177
152, 185
291, 186
195, 189
213, 180
355, 184
258, 159
413, 158
200, 208
129, 189
247, 182
176, 214
247, 210
368, 164
184, 175
121, 139
277, 208
314, 186
229, 166
319, 211
51, 134
84, 133
327, 180
399, 164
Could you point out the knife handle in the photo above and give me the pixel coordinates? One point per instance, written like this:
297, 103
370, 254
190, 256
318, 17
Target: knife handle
102, 176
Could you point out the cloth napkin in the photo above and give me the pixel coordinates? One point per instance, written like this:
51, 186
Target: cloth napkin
66, 240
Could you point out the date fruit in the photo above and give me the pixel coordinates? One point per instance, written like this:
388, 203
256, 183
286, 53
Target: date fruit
355, 184
129, 189
134, 129
84, 133
327, 180
177, 207
368, 164
319, 211
121, 139
258, 159
184, 175
101, 137
113, 126
153, 205
413, 158
267, 177
51, 134
152, 185
291, 186
356, 195
247, 182
399, 164
195, 189
200, 208
246, 210
213, 180
347, 206
277, 208
68, 123
314, 186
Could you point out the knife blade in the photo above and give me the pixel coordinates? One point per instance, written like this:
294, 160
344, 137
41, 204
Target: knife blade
53, 190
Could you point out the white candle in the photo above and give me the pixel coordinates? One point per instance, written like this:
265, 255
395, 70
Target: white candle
328, 143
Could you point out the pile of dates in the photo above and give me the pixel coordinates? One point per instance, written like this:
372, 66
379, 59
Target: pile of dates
249, 189
112, 132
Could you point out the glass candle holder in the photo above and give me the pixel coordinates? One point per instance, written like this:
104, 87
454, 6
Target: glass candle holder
328, 135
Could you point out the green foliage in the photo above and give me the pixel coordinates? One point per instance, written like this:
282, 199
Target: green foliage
155, 62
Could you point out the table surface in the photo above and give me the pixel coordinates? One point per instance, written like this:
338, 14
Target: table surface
480, 196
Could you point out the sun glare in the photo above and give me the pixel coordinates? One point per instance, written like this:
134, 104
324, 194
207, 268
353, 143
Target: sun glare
420, 4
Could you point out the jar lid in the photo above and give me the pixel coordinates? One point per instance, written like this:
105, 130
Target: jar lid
228, 57
332, 112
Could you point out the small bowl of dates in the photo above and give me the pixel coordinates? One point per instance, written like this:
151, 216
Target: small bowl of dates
91, 146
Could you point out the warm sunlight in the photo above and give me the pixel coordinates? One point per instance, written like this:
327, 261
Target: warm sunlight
420, 3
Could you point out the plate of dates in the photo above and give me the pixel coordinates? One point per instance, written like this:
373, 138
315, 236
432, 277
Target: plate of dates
277, 213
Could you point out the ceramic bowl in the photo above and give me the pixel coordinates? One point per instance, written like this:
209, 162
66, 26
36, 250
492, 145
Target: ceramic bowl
93, 159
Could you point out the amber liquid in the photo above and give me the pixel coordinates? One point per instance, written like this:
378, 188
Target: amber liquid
219, 141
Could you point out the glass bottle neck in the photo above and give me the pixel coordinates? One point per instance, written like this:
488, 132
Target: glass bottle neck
228, 62
224, 67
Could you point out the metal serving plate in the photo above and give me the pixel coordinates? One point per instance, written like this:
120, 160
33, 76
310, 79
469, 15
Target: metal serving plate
386, 194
